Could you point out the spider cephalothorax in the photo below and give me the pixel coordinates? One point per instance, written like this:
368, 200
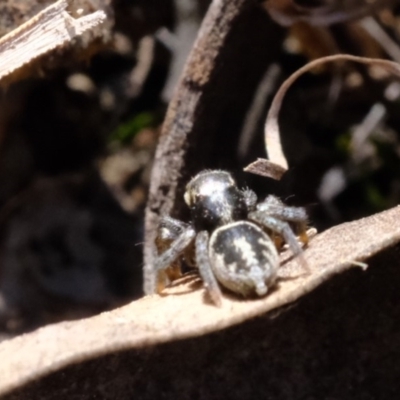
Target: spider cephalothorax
227, 237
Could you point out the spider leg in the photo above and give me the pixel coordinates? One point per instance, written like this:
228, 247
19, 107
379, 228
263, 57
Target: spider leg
170, 228
165, 259
176, 248
250, 199
203, 263
296, 215
275, 208
283, 229
271, 199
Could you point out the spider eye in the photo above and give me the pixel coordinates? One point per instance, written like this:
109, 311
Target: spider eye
188, 198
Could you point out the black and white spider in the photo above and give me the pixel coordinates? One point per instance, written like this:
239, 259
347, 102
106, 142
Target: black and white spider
229, 237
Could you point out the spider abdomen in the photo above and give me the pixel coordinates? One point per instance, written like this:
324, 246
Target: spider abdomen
243, 258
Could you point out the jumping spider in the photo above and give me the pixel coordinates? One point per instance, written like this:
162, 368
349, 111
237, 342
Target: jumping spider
232, 240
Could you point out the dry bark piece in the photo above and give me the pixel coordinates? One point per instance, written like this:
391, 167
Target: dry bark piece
181, 312
51, 28
14, 13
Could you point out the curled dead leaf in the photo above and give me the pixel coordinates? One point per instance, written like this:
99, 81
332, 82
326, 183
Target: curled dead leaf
182, 312
266, 168
272, 135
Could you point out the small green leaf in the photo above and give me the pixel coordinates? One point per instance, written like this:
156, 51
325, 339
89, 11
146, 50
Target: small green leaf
127, 130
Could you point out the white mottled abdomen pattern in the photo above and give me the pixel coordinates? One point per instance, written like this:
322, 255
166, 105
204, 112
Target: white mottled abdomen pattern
243, 258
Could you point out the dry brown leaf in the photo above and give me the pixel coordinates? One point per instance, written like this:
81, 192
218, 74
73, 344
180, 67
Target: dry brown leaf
272, 133
266, 168
182, 312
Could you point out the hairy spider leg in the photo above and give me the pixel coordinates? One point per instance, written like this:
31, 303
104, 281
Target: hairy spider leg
171, 227
169, 256
274, 207
168, 231
204, 265
250, 199
283, 229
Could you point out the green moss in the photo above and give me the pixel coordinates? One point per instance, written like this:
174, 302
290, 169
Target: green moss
126, 131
